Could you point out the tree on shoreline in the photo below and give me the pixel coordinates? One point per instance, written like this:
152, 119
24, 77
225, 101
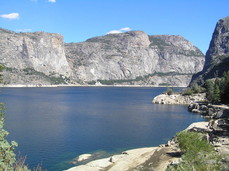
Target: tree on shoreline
217, 90
225, 88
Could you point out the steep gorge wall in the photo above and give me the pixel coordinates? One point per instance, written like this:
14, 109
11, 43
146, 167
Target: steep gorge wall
135, 58
36, 54
131, 58
217, 56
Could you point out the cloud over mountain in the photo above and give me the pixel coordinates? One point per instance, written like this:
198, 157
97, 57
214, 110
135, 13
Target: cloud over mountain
119, 31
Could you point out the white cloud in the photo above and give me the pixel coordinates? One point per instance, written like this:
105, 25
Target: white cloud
114, 32
119, 31
23, 30
125, 29
10, 16
53, 1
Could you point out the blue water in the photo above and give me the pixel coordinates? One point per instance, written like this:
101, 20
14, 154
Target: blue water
54, 125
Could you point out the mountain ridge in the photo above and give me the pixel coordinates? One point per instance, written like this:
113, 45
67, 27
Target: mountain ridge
130, 58
217, 56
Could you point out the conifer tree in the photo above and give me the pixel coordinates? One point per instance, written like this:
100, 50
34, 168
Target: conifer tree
216, 95
225, 88
209, 84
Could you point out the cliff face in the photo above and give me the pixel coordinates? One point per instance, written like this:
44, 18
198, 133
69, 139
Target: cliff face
32, 58
217, 56
134, 58
131, 58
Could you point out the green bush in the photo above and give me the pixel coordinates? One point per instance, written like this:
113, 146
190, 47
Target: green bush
193, 90
187, 92
198, 155
193, 142
170, 91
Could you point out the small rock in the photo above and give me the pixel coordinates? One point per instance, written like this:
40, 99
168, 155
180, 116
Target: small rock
124, 152
81, 158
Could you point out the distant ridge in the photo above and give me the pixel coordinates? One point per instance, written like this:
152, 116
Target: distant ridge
130, 58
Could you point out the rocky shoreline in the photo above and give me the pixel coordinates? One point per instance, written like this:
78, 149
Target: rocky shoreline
159, 158
179, 99
155, 158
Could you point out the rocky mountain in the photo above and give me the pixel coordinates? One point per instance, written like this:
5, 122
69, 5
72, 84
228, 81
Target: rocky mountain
217, 56
134, 58
131, 58
33, 58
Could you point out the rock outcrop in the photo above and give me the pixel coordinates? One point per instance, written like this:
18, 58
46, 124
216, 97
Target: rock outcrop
179, 99
33, 58
217, 56
135, 58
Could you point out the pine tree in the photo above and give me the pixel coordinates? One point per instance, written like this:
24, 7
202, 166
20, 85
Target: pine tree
225, 88
209, 84
216, 96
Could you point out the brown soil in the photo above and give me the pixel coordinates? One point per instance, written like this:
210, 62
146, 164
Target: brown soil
159, 160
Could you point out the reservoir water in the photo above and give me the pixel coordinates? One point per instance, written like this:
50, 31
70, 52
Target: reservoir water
54, 125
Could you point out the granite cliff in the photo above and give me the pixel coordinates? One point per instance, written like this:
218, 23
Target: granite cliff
131, 58
217, 56
134, 58
33, 58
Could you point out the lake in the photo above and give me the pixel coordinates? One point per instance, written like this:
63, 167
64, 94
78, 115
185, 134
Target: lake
54, 125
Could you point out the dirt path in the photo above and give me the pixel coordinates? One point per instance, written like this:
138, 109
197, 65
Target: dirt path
160, 159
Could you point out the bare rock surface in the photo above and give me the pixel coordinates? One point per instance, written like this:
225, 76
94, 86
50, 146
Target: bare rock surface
32, 57
217, 56
134, 160
178, 99
134, 58
131, 58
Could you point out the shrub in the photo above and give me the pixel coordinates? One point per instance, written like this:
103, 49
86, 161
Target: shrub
198, 154
187, 92
170, 91
193, 142
193, 89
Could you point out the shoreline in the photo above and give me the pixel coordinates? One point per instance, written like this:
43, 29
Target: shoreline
148, 158
74, 85
160, 157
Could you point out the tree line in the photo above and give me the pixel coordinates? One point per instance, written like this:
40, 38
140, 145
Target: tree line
217, 90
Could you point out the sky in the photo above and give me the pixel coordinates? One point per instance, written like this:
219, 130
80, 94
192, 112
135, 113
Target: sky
78, 20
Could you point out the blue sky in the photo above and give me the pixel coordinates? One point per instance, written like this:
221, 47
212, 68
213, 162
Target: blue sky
78, 20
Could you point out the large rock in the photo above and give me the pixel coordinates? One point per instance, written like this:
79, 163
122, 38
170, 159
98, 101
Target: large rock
179, 99
135, 58
217, 56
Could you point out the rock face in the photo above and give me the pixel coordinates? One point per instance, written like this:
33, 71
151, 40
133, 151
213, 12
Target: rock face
131, 58
134, 58
217, 56
32, 57
179, 99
